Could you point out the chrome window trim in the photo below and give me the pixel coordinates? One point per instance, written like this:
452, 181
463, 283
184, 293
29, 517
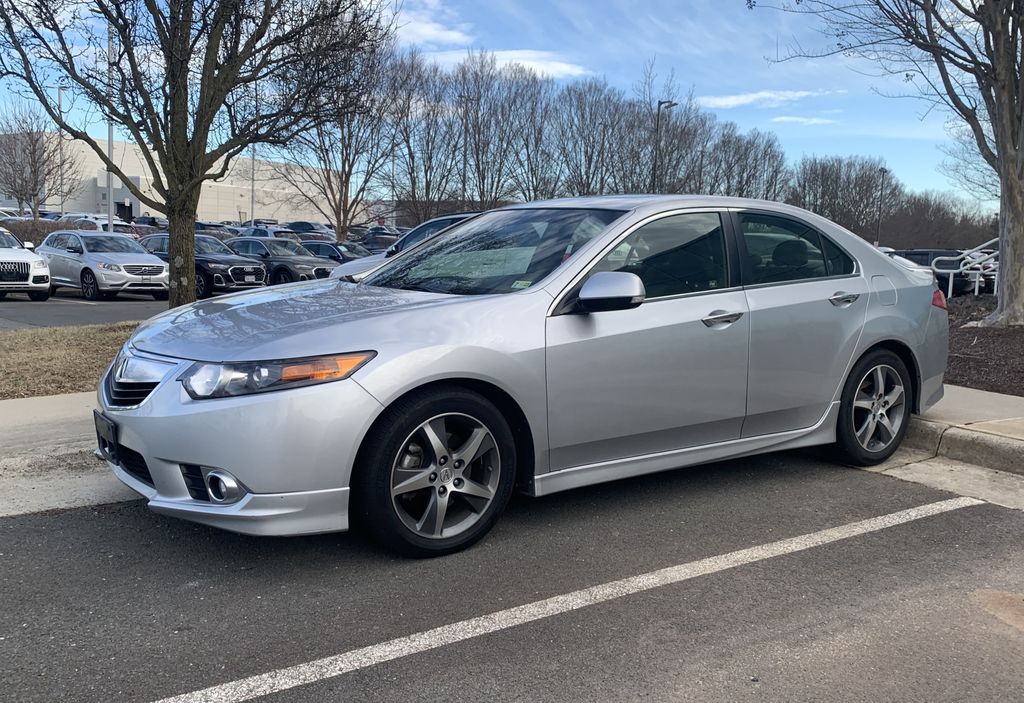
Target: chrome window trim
589, 265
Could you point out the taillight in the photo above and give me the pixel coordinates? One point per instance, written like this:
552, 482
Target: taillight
939, 299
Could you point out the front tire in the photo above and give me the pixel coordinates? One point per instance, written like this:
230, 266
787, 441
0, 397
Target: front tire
875, 408
161, 295
90, 286
435, 473
204, 286
281, 276
39, 295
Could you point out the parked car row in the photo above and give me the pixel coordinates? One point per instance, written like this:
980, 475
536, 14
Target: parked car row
21, 269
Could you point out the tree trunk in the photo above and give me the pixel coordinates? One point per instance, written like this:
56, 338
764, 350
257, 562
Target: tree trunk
181, 219
1010, 310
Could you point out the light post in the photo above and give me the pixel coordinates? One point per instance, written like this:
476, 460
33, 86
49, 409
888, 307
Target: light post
881, 182
662, 105
60, 146
110, 128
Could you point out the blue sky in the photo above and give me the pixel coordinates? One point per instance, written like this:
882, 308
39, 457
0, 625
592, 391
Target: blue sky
717, 47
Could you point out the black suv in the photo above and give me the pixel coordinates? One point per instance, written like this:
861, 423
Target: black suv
924, 257
218, 269
285, 260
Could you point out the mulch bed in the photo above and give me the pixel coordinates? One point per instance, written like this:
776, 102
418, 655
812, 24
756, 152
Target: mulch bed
989, 359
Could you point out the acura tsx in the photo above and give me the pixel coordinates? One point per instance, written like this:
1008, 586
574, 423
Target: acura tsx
538, 347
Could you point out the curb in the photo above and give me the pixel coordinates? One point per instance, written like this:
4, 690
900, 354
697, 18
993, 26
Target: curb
963, 444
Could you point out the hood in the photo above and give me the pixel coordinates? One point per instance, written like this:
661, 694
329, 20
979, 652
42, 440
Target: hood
127, 258
306, 261
229, 259
299, 319
358, 265
18, 254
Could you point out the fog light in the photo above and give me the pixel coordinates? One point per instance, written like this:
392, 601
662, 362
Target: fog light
223, 487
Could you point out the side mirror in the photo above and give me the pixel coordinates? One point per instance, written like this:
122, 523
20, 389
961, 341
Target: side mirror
28, 245
74, 249
391, 251
611, 290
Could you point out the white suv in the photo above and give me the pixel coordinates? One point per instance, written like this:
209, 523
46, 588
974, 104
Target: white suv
21, 269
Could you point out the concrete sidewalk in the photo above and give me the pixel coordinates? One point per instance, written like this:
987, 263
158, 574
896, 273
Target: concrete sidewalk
973, 427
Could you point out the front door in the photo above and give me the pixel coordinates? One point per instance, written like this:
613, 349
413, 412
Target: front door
807, 304
667, 375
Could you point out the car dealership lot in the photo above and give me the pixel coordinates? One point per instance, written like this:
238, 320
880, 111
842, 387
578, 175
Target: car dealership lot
132, 606
68, 307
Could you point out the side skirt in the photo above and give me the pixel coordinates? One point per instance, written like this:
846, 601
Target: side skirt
824, 432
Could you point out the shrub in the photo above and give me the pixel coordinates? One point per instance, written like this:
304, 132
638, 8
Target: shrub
34, 231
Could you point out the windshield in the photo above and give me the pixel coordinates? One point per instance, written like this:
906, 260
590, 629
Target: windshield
353, 250
284, 247
498, 252
112, 245
209, 245
8, 241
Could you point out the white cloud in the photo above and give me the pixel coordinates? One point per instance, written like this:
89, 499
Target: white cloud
429, 24
808, 121
548, 63
761, 98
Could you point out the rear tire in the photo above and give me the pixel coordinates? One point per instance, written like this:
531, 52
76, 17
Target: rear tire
39, 295
161, 295
875, 409
412, 463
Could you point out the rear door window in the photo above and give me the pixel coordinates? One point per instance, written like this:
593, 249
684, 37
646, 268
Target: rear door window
780, 250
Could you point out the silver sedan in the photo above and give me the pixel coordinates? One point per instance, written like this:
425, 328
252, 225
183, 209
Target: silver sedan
538, 348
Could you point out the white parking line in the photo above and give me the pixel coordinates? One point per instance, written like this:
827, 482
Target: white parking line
72, 300
328, 667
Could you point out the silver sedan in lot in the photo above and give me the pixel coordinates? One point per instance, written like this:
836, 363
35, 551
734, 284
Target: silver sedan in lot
538, 348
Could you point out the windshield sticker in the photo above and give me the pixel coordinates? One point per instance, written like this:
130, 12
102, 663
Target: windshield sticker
521, 284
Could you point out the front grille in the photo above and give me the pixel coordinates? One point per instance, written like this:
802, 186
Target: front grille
124, 394
238, 273
13, 271
40, 279
144, 270
193, 476
321, 272
134, 463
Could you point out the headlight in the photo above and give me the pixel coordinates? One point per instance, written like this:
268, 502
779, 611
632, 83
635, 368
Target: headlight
109, 267
204, 380
217, 267
39, 264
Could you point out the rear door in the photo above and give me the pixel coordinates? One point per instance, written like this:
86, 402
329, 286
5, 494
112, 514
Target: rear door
807, 303
667, 375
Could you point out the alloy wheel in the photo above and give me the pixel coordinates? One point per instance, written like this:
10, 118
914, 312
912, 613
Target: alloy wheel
445, 476
200, 285
90, 289
879, 408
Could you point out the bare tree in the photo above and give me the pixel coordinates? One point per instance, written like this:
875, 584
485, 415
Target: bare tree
34, 165
536, 171
335, 165
966, 56
587, 112
427, 129
966, 164
191, 82
851, 191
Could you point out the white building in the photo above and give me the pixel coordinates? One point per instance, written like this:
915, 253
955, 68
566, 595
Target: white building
226, 199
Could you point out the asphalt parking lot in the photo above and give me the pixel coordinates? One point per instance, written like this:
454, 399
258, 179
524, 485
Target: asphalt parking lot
68, 307
862, 605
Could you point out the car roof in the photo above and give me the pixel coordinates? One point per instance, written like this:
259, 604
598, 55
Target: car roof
666, 202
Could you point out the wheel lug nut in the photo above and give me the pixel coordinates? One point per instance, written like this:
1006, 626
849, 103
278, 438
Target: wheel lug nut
442, 490
458, 483
443, 460
458, 463
433, 477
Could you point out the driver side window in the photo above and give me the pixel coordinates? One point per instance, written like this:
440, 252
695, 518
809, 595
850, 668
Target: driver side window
675, 255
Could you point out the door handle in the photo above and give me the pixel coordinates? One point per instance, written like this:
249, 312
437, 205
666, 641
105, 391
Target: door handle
721, 317
840, 299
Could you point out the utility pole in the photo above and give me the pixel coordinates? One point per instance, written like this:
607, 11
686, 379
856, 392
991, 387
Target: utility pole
662, 105
110, 128
252, 174
881, 182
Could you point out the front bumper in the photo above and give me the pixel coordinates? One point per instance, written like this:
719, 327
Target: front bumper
292, 450
128, 283
37, 280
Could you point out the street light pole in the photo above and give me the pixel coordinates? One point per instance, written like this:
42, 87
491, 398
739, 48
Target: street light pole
666, 105
881, 182
110, 128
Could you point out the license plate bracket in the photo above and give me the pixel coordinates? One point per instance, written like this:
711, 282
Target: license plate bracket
106, 436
